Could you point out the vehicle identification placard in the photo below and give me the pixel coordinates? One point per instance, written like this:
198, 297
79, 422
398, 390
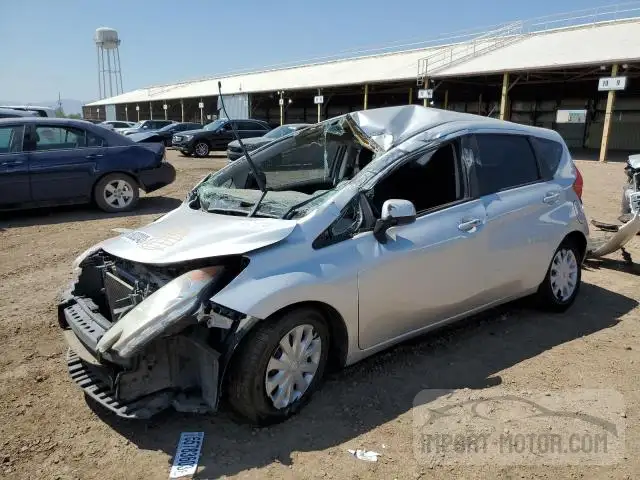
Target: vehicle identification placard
185, 462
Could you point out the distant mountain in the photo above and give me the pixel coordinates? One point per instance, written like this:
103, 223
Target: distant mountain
68, 105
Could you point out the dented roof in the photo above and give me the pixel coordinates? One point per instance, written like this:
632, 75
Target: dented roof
592, 44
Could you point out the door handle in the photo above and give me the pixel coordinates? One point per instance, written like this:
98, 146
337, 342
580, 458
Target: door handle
551, 197
469, 225
92, 156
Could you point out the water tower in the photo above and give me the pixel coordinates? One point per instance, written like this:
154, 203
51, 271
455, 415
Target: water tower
109, 73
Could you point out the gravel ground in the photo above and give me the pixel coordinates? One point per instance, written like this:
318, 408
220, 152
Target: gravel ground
49, 431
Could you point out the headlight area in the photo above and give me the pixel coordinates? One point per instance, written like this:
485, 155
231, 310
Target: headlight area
159, 312
164, 351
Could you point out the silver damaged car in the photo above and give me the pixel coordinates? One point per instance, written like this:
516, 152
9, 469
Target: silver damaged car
324, 247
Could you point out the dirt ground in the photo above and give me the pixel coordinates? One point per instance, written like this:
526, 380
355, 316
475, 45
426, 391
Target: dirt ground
49, 431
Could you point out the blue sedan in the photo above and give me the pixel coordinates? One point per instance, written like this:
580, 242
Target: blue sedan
53, 161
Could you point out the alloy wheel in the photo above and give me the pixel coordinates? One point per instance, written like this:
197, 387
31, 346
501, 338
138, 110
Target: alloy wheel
118, 194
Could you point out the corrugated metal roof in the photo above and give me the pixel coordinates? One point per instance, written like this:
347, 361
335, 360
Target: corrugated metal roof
592, 44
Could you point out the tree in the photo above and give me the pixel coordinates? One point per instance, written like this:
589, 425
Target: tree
60, 114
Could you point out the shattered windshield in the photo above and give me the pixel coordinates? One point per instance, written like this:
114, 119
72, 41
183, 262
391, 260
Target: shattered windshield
295, 169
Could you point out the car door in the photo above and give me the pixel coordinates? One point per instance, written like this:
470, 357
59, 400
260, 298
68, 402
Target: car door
62, 162
520, 228
427, 272
224, 134
14, 166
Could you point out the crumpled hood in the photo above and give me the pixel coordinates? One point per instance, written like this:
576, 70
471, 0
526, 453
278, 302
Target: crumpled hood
186, 234
188, 132
140, 136
250, 142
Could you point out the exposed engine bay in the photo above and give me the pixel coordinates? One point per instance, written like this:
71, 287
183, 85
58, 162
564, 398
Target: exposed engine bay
173, 359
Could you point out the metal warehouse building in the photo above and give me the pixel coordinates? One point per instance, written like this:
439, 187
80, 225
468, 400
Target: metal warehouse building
547, 72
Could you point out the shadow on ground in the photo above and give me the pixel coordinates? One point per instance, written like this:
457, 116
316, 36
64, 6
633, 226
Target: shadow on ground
379, 389
80, 213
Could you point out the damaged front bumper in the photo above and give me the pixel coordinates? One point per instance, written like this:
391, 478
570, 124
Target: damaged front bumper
181, 370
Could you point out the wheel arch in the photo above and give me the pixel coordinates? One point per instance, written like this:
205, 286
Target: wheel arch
338, 343
579, 239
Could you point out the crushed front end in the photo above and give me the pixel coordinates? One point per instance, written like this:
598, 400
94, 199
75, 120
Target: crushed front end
144, 338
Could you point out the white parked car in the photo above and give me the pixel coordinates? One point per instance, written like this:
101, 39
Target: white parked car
116, 124
390, 223
39, 111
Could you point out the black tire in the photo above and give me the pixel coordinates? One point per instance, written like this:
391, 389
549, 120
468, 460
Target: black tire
101, 197
246, 392
545, 298
201, 149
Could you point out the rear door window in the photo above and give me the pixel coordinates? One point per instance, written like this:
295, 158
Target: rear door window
504, 161
59, 138
11, 139
549, 154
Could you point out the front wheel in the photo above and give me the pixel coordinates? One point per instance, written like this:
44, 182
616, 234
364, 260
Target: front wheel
561, 285
116, 192
278, 368
201, 149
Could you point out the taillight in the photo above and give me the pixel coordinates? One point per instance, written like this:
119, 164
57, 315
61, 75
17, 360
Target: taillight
578, 183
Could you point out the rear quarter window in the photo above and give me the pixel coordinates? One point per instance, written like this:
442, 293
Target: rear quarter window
505, 161
549, 155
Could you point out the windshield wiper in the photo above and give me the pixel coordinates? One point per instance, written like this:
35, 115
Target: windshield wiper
259, 176
297, 206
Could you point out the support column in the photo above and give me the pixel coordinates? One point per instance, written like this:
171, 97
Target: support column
410, 95
126, 113
138, 111
446, 99
504, 98
319, 107
201, 113
281, 102
366, 95
150, 111
480, 105
611, 98
182, 109
166, 111
425, 101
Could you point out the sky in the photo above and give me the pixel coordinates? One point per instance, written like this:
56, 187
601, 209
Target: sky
46, 46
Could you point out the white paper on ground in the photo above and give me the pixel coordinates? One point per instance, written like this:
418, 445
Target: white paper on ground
365, 455
185, 462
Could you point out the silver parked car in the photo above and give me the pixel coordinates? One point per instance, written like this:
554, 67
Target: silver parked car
393, 222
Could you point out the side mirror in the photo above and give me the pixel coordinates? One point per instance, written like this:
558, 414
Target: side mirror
394, 212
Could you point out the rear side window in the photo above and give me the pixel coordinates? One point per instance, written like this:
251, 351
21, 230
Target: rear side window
503, 162
11, 139
249, 125
549, 154
59, 138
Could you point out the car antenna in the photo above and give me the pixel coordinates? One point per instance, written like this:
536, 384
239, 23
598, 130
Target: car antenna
256, 173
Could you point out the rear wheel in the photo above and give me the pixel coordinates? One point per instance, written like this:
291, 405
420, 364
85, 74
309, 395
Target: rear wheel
201, 149
279, 367
561, 285
116, 192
